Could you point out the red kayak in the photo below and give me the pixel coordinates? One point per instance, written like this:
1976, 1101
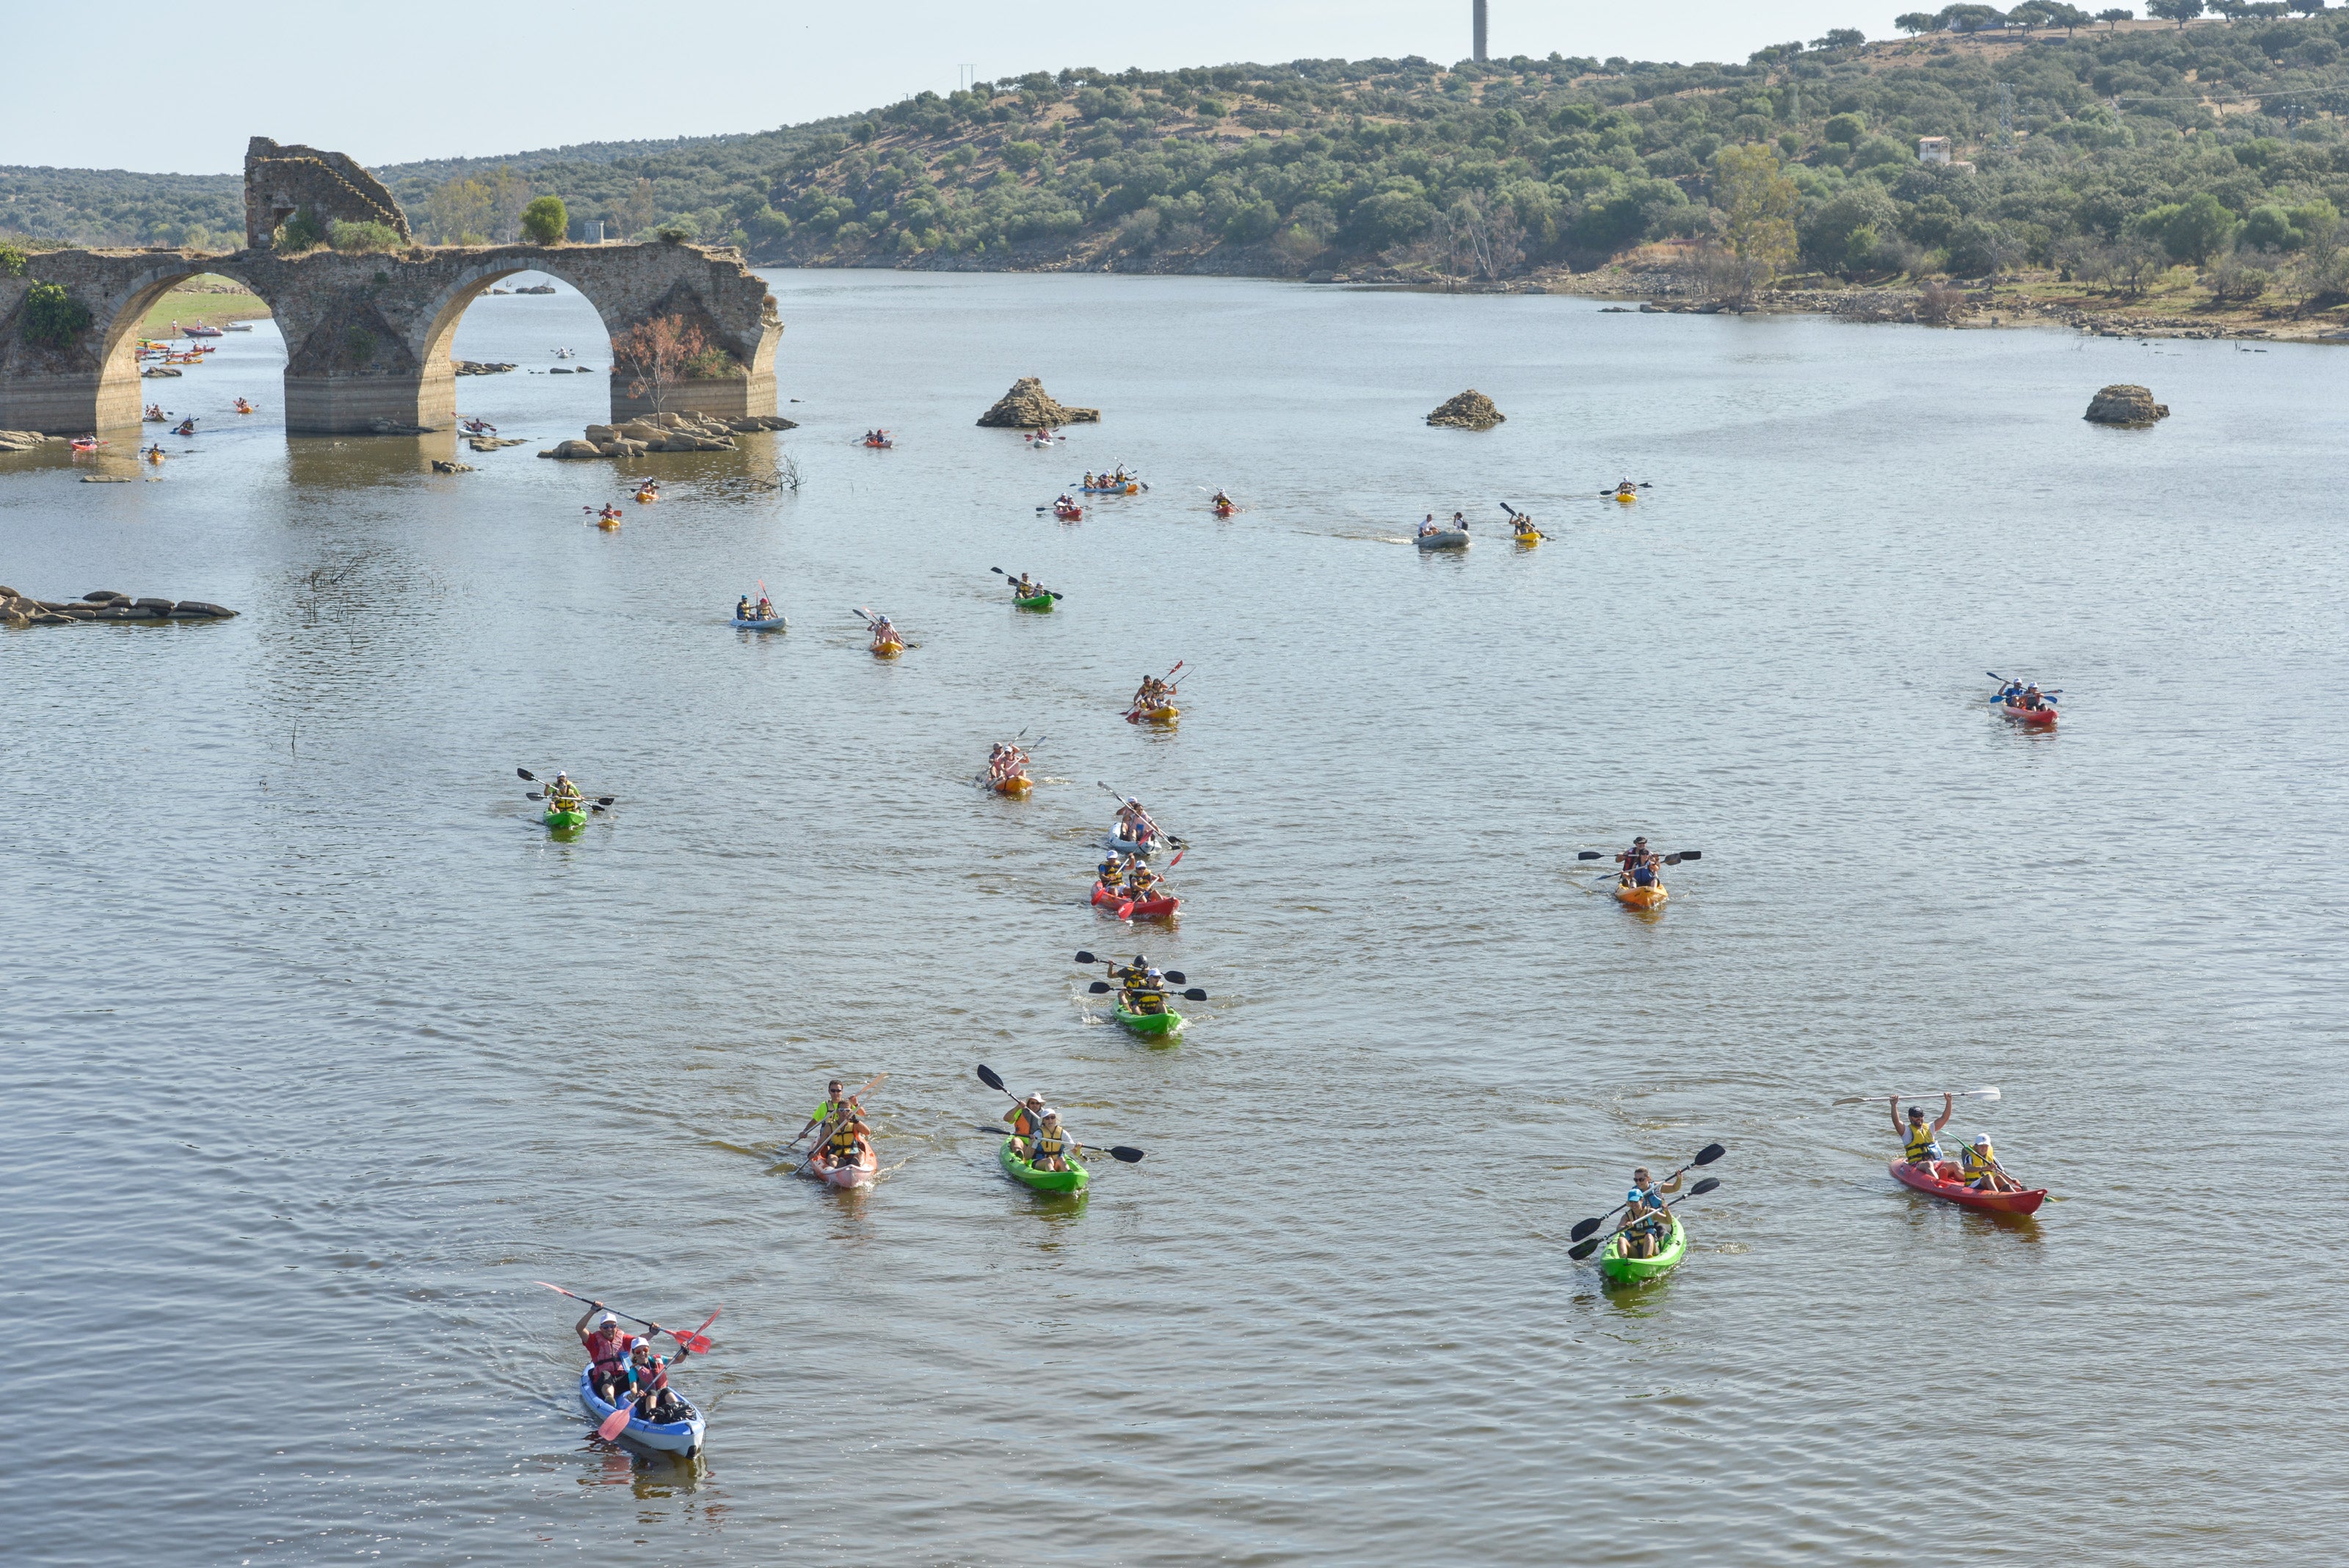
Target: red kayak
2028, 715
1944, 1181
1127, 909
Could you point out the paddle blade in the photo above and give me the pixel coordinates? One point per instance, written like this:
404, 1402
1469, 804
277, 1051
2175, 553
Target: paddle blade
1708, 1154
1083, 957
1702, 1188
606, 799
991, 1077
615, 1424
1195, 994
693, 1344
1126, 1154
1984, 1094
1582, 1251
1099, 988
1178, 977
533, 795
1692, 855
1587, 855
558, 1290
1585, 1229
525, 772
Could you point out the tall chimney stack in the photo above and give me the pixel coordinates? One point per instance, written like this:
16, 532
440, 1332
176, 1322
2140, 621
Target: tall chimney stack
1480, 29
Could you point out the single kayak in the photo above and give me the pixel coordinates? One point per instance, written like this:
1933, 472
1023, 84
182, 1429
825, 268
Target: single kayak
669, 1437
1449, 539
1131, 908
1945, 1180
1040, 602
1626, 1270
1149, 1023
772, 623
854, 1175
1640, 897
1073, 1180
560, 819
2028, 715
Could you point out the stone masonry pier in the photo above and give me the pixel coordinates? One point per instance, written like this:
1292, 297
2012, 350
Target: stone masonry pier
368, 336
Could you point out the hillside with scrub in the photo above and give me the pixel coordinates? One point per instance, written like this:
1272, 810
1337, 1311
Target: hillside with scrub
2111, 154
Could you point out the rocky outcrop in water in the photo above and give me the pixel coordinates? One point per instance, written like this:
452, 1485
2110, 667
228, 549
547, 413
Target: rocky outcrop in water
101, 604
23, 440
2131, 408
1471, 411
666, 432
1027, 407
479, 368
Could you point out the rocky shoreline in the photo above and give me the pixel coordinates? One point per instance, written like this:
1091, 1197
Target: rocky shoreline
665, 432
103, 604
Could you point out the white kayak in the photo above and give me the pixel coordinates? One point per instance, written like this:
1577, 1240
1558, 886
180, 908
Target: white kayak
1131, 846
668, 1437
844, 1175
773, 623
1450, 539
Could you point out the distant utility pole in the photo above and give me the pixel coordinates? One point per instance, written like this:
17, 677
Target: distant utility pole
968, 73
2006, 115
1479, 53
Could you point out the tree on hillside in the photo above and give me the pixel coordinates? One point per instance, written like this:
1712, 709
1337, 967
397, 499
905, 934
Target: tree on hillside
1852, 37
1913, 22
1971, 18
1758, 204
545, 221
2178, 11
458, 212
2306, 7
2233, 10
2112, 18
2068, 18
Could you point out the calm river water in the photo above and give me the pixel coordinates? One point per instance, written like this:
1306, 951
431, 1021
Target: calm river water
319, 1053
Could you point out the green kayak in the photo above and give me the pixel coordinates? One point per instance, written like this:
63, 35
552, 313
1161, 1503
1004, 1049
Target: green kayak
565, 819
1040, 602
1070, 1180
1152, 1024
1626, 1270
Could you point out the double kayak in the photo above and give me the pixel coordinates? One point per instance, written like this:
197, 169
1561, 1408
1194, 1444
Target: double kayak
1168, 1021
852, 1175
1448, 539
2029, 715
562, 819
772, 623
1039, 602
1018, 785
1167, 715
889, 650
1129, 908
668, 1437
1944, 1181
1626, 1270
1070, 1180
1528, 539
1133, 845
1641, 898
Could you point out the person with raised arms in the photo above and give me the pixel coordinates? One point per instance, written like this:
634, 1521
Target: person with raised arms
608, 1348
1025, 1118
1917, 1140
1644, 1225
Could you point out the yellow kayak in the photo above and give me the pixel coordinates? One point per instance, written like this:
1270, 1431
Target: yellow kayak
889, 650
1166, 716
1641, 898
1529, 538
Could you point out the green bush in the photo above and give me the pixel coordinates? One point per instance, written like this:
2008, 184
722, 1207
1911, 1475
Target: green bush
1846, 128
679, 230
365, 238
12, 261
545, 222
712, 364
299, 232
53, 317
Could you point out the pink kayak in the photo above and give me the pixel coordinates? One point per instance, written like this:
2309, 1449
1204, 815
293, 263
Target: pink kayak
1945, 1180
856, 1175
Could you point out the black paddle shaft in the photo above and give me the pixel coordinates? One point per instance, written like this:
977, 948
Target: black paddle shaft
1704, 1156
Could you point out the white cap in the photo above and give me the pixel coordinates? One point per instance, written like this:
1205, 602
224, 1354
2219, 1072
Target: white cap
607, 1321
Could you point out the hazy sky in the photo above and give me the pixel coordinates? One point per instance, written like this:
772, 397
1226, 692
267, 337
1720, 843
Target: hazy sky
176, 90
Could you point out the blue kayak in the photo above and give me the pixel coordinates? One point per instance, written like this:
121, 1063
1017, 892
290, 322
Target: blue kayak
775, 624
669, 1437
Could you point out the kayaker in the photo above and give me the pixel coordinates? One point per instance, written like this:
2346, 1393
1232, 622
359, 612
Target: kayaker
742, 607
186, 427
1111, 872
1427, 525
648, 1380
1022, 588
1025, 1116
563, 794
1049, 1149
1918, 1145
607, 1352
766, 608
1643, 1228
1978, 1167
884, 630
836, 1106
1142, 881
2033, 700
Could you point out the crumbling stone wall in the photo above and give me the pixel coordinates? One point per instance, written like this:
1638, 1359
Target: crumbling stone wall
280, 182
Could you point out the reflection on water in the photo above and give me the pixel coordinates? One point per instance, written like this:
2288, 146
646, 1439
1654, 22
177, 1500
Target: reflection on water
330, 1049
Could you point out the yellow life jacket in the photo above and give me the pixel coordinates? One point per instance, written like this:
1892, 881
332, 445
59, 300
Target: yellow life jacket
1976, 1161
1046, 1145
1919, 1148
841, 1145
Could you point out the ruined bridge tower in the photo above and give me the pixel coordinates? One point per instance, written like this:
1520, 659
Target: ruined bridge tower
366, 334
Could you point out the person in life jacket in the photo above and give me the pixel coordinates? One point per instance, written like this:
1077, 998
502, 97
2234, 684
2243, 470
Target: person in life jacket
884, 630
1026, 1117
742, 607
1978, 1167
649, 1381
1918, 1145
1142, 880
1111, 872
837, 1106
1051, 1147
1645, 1220
563, 794
1145, 992
607, 1352
1024, 588
848, 1145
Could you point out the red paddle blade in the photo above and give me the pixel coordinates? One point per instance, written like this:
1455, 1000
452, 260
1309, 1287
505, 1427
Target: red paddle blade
698, 1342
615, 1423
1178, 858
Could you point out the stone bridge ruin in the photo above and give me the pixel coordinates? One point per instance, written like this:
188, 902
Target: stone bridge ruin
367, 334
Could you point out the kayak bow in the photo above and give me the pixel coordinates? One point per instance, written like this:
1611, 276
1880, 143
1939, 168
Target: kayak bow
1073, 1180
1625, 1270
1952, 1188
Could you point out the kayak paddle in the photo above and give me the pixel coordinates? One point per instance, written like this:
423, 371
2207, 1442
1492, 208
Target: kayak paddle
697, 1340
617, 1421
1177, 975
601, 800
1583, 1250
1984, 1094
1704, 1156
1040, 587
1121, 1152
1102, 988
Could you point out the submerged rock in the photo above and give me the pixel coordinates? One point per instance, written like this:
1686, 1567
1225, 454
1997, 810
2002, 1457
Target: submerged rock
1471, 411
2132, 408
1027, 407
